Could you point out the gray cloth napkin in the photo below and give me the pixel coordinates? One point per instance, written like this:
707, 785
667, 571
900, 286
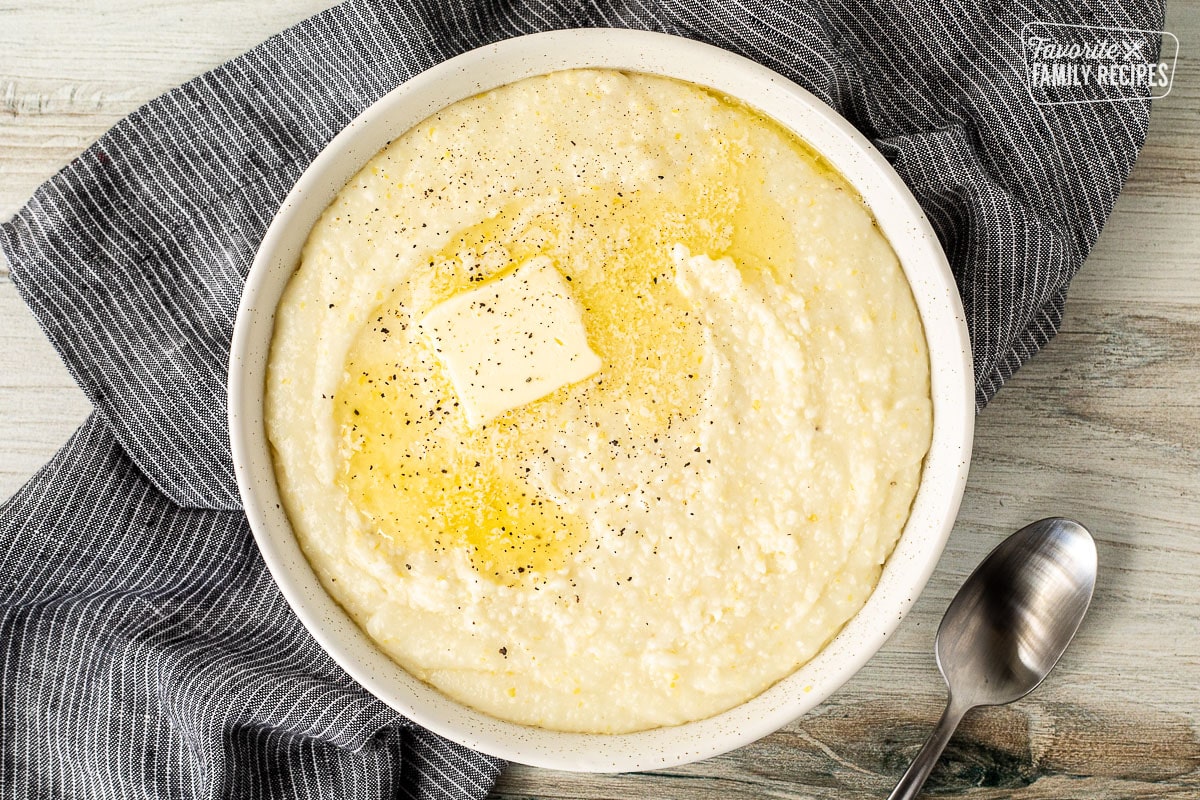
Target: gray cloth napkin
144, 651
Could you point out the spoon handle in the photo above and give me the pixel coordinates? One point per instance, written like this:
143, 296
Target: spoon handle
914, 778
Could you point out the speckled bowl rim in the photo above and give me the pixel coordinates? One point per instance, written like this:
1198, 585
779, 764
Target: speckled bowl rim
899, 217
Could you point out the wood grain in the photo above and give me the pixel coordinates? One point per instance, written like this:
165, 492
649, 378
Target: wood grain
1104, 425
1031, 751
68, 71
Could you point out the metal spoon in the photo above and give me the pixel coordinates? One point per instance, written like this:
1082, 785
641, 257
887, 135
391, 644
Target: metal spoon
1007, 627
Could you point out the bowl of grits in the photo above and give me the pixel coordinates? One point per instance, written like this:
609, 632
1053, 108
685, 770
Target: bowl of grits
600, 400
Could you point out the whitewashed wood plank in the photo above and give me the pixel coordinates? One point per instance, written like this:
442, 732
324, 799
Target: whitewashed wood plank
1032, 750
69, 71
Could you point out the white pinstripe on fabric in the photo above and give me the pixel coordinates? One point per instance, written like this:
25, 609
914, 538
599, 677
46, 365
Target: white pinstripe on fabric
144, 651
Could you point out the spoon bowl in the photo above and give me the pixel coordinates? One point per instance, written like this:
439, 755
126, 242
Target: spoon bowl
1008, 626
1013, 618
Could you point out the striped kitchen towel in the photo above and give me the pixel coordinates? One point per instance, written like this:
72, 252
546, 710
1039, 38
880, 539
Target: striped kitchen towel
144, 650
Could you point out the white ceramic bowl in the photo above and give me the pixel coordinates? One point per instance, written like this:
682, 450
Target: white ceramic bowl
900, 219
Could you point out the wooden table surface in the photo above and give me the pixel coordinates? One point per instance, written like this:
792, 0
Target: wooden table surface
1103, 426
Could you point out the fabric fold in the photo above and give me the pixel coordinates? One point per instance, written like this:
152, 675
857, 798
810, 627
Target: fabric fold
148, 653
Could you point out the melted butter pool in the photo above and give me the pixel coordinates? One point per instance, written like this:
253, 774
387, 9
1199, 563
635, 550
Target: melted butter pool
409, 463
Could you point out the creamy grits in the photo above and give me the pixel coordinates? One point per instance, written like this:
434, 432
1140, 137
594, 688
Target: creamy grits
598, 401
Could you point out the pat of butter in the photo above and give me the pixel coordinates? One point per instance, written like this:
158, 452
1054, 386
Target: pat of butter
512, 341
